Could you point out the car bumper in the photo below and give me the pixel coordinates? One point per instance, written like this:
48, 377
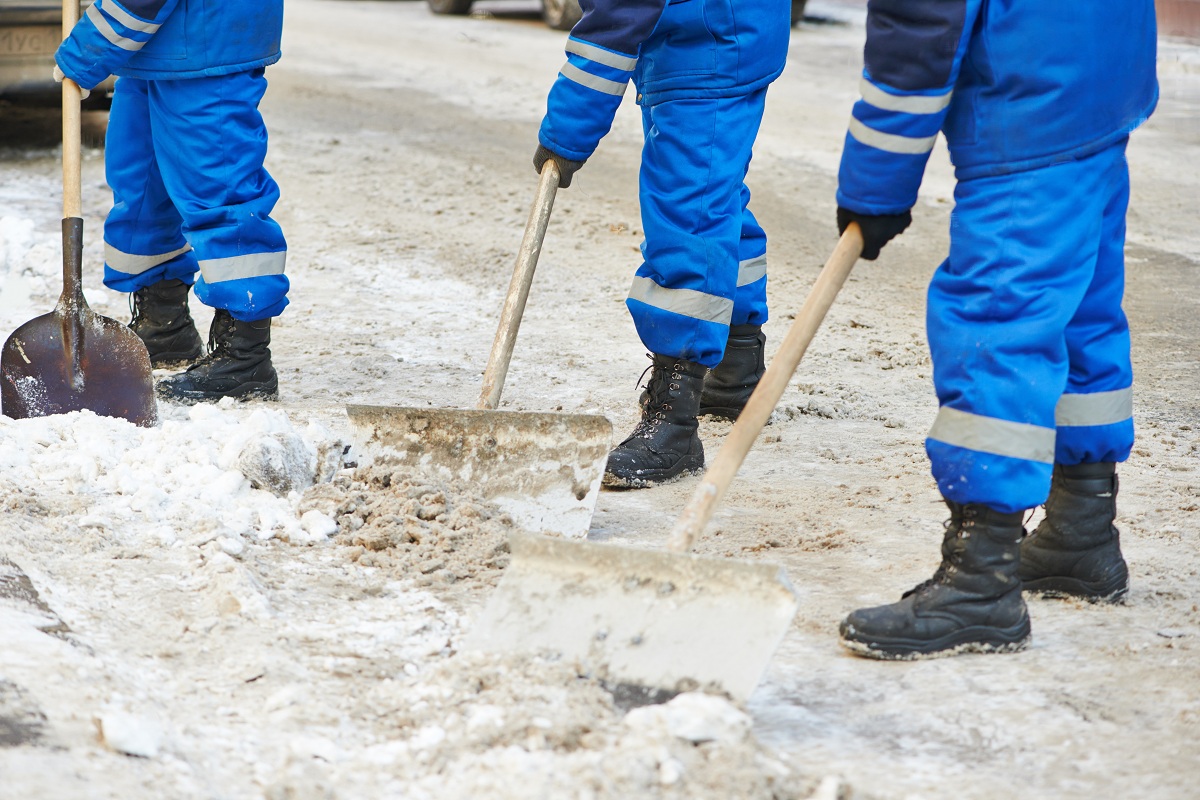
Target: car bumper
27, 61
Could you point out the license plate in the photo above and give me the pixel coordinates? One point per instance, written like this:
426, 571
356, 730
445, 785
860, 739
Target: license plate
30, 40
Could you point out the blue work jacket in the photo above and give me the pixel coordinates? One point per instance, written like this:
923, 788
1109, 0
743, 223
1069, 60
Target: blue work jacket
1012, 84
670, 50
169, 39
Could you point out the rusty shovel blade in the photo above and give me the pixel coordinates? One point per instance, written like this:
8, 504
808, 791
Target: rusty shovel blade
73, 358
653, 623
543, 469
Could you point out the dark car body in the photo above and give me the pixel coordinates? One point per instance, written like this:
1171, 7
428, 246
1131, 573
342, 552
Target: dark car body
30, 32
561, 14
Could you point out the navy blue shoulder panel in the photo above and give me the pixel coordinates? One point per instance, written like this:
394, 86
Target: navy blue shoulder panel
620, 25
911, 43
146, 9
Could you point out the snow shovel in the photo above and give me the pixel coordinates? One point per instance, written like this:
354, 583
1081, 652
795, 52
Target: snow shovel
543, 469
651, 624
74, 358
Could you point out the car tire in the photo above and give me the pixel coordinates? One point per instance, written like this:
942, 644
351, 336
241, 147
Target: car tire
561, 14
798, 11
458, 7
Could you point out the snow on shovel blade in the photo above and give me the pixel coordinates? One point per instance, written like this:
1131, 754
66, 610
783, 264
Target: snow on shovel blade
73, 359
639, 620
543, 469
654, 623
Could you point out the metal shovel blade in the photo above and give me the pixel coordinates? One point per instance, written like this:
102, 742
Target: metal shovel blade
654, 623
543, 469
646, 621
73, 358
105, 370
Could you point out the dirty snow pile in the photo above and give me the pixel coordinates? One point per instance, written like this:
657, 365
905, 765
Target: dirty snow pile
204, 474
24, 257
478, 728
434, 533
225, 598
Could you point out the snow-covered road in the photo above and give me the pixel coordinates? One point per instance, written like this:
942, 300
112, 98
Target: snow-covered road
200, 631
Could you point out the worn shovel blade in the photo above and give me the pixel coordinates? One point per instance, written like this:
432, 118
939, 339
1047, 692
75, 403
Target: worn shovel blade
646, 622
544, 470
73, 359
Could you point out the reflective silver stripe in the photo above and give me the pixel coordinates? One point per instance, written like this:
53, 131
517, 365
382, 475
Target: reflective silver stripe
751, 270
109, 32
600, 56
1098, 408
998, 437
908, 105
890, 142
136, 265
253, 265
129, 20
685, 302
574, 73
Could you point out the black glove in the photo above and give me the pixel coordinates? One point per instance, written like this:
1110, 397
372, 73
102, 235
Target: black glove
566, 167
877, 229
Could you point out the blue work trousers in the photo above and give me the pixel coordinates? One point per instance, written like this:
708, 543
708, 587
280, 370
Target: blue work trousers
184, 159
1030, 345
705, 263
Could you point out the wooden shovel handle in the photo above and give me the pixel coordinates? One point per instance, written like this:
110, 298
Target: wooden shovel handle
518, 288
754, 416
72, 127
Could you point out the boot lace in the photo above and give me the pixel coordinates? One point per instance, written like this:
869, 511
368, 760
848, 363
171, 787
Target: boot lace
657, 396
136, 306
951, 552
219, 336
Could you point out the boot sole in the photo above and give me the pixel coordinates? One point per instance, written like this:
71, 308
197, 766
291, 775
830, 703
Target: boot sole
730, 414
1063, 588
967, 640
174, 360
255, 392
164, 358
614, 481
727, 414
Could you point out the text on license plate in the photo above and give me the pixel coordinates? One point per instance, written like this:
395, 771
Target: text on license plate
30, 40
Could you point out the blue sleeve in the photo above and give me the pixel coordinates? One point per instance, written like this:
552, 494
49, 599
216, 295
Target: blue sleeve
912, 59
108, 35
602, 53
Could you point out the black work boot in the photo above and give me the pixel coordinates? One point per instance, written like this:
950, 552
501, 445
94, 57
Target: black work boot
729, 384
1076, 550
971, 604
664, 445
162, 321
238, 365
